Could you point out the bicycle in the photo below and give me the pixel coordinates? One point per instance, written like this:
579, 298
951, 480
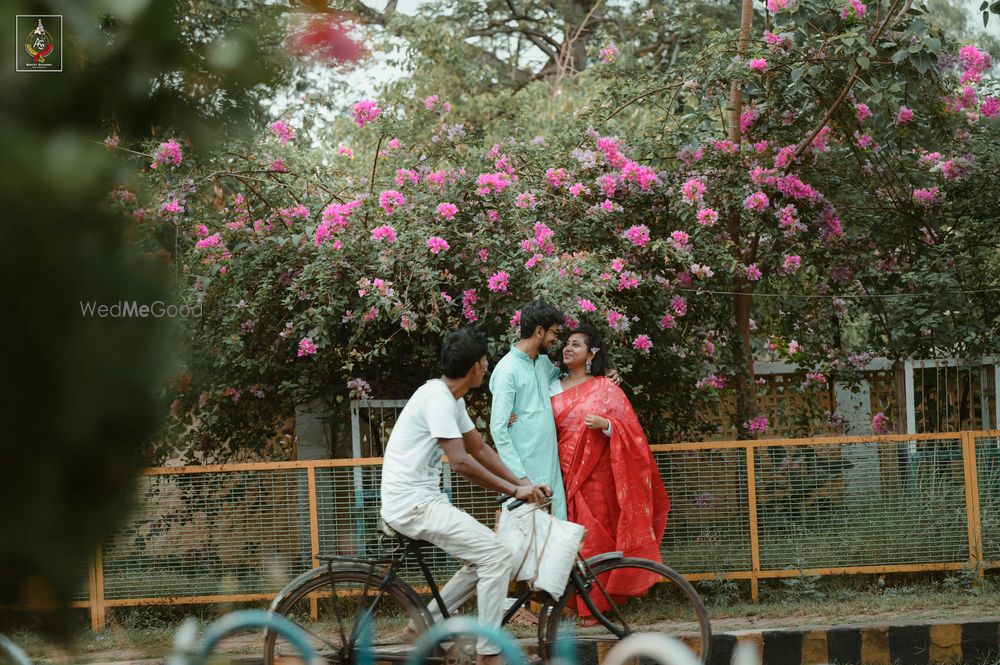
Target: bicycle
338, 601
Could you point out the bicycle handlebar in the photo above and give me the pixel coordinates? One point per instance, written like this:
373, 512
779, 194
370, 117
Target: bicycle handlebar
503, 499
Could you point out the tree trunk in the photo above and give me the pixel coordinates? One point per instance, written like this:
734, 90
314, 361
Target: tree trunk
746, 388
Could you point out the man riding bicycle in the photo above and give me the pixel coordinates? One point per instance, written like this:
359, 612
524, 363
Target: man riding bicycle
433, 423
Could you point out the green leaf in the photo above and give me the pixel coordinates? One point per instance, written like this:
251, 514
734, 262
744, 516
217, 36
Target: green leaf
983, 6
797, 73
933, 44
863, 62
899, 56
986, 19
916, 48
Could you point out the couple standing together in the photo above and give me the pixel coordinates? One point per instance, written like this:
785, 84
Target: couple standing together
573, 437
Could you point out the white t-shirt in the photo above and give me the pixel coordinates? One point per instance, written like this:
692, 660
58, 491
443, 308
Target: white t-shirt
411, 469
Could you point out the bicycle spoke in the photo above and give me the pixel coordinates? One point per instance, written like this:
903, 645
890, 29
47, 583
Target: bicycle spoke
338, 611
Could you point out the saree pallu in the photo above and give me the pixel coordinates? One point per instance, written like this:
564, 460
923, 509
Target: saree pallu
613, 487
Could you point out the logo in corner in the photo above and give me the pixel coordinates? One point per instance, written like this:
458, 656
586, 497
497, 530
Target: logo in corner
42, 42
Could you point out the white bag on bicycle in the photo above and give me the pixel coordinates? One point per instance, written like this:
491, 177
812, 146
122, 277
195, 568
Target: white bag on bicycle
544, 547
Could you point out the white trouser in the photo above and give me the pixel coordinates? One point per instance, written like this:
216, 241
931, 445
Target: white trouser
487, 561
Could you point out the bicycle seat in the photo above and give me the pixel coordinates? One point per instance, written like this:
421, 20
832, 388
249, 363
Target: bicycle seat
388, 531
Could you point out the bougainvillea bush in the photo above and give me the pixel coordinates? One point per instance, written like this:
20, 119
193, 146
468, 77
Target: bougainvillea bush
850, 199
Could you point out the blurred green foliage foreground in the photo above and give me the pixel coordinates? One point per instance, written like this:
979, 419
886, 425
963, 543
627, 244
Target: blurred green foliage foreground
82, 391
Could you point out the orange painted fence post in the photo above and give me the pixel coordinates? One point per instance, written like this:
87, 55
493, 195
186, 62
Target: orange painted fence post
754, 535
97, 606
972, 510
313, 534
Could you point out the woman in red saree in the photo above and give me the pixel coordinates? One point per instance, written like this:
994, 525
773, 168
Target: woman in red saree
613, 486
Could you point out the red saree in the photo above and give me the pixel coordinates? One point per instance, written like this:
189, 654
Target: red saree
613, 487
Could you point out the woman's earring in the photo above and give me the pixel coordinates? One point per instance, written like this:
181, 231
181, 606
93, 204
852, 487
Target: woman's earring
588, 367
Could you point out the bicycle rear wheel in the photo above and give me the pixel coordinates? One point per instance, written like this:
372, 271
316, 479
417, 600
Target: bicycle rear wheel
329, 605
663, 602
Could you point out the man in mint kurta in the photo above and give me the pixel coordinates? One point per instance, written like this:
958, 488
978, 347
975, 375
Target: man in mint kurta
520, 385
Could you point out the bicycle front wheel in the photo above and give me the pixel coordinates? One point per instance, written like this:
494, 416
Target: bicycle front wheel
329, 606
631, 596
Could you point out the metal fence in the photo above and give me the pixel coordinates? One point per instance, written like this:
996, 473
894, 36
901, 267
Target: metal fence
748, 510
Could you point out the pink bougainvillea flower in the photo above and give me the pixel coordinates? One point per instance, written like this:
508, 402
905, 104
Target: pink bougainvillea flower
390, 200
790, 263
756, 202
437, 244
609, 53
169, 152
366, 111
925, 197
707, 217
555, 177
384, 232
903, 116
853, 9
637, 235
447, 210
693, 190
880, 423
306, 347
283, 131
642, 343
757, 425
497, 282
172, 206
974, 63
757, 65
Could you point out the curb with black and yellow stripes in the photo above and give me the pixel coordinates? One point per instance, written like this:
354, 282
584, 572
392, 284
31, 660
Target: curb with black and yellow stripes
911, 644
971, 643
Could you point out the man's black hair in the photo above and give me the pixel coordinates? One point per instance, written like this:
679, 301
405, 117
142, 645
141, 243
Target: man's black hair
592, 338
539, 313
461, 350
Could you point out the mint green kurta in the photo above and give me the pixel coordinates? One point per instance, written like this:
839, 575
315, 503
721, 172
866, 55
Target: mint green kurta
529, 448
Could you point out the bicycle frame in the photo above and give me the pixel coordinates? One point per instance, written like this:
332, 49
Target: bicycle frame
414, 549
